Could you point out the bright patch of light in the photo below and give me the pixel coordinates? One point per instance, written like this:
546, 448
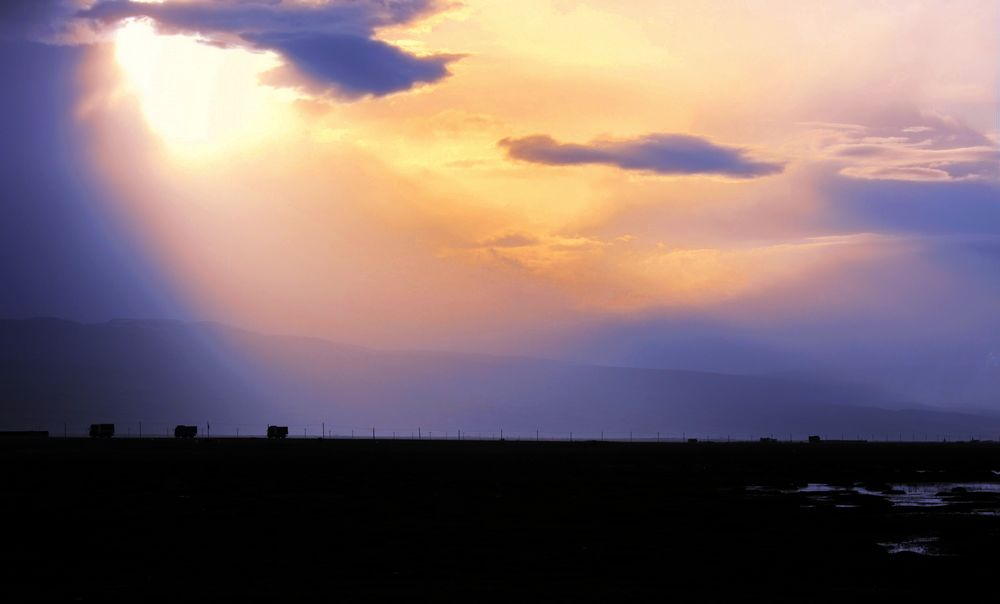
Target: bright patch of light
198, 98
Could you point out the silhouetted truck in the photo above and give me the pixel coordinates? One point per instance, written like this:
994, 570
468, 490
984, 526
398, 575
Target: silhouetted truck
277, 431
185, 431
814, 438
102, 430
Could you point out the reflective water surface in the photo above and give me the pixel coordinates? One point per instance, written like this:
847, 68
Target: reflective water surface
925, 546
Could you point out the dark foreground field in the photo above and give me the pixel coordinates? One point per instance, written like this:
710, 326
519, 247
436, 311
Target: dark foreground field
360, 520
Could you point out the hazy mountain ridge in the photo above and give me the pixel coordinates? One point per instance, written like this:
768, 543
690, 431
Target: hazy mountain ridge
53, 370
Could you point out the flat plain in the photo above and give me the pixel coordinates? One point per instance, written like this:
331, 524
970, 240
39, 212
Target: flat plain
252, 519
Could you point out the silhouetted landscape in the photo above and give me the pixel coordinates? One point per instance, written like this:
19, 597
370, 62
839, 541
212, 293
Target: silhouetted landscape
256, 519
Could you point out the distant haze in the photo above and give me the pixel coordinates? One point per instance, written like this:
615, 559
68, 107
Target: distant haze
54, 371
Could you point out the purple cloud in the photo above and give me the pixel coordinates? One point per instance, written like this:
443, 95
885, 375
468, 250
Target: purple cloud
659, 153
903, 143
330, 48
352, 65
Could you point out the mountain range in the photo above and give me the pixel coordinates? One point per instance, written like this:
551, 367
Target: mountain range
163, 372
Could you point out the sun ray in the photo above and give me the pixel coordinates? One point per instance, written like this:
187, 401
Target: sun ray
198, 98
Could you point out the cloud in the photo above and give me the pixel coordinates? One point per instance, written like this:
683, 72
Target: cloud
510, 240
924, 130
362, 65
329, 48
205, 17
907, 144
659, 153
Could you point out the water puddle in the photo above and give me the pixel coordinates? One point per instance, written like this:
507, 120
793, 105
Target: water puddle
818, 487
921, 495
937, 494
924, 546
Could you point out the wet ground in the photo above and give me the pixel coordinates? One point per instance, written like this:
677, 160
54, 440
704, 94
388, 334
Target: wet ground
281, 520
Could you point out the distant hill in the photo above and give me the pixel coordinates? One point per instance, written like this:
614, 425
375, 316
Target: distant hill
53, 371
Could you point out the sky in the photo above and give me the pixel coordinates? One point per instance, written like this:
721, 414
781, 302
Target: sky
753, 187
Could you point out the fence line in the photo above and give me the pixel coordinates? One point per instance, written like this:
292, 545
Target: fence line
143, 429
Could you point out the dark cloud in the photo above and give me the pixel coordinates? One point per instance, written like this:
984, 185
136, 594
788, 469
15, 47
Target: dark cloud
208, 18
330, 48
354, 66
660, 153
